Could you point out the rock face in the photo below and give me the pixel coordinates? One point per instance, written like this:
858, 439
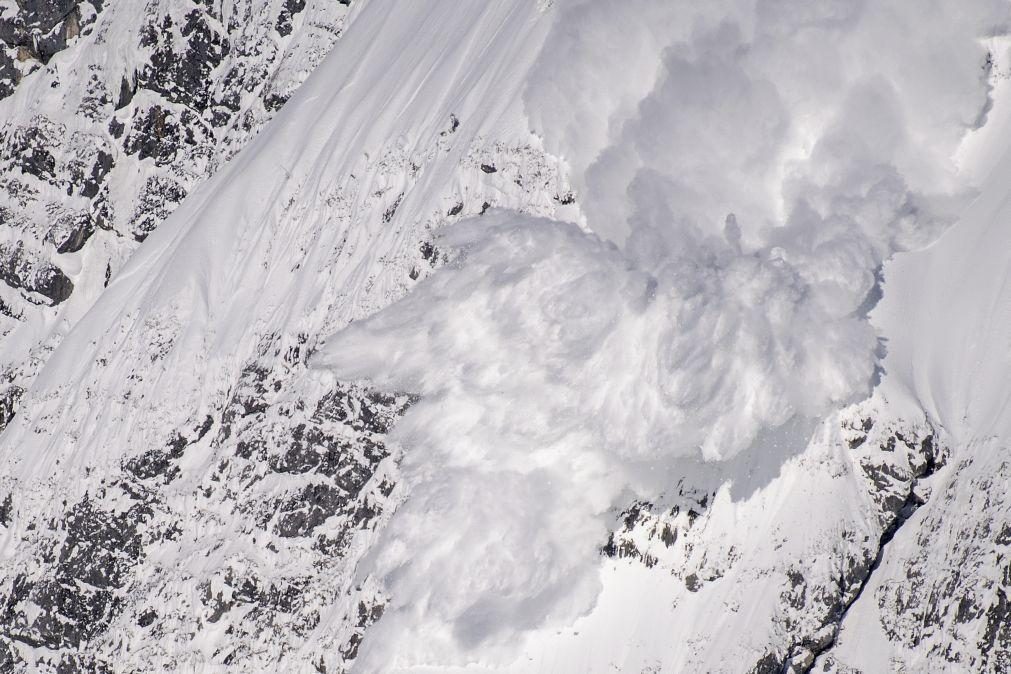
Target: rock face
891, 465
942, 591
113, 112
305, 474
33, 31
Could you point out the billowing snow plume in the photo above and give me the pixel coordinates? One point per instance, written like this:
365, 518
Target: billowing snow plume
744, 168
555, 374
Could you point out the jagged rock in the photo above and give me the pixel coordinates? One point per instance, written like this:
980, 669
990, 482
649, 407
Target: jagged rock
192, 84
78, 596
9, 399
37, 30
19, 268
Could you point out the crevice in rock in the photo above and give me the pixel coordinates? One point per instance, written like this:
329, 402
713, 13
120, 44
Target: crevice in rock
807, 658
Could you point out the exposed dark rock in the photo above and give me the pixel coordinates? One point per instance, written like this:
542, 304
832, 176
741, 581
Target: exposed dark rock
71, 232
9, 78
10, 399
288, 12
391, 211
162, 462
147, 618
995, 644
566, 199
274, 102
80, 592
127, 89
308, 509
158, 198
371, 411
158, 134
10, 660
21, 269
769, 664
36, 31
101, 168
81, 663
29, 151
6, 510
116, 127
367, 615
896, 509
164, 139
183, 78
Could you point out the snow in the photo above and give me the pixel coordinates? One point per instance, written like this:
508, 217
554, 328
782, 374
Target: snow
72, 98
946, 314
738, 211
317, 222
698, 315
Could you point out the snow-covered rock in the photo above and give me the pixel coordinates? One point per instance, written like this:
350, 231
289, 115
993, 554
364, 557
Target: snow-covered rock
112, 112
639, 410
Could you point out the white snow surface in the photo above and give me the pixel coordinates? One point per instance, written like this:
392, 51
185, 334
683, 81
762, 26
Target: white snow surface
741, 170
947, 315
58, 97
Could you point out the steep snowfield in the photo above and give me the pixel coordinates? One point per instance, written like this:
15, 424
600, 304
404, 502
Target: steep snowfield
114, 112
619, 419
942, 593
215, 531
945, 313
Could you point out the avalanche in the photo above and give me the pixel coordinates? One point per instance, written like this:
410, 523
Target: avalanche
736, 211
547, 337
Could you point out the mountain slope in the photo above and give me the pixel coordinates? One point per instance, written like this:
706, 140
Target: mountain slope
222, 307
112, 112
940, 600
629, 413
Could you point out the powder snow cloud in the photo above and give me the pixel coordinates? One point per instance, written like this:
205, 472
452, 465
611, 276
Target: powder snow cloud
743, 168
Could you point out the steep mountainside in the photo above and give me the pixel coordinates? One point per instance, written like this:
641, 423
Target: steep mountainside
247, 557
110, 114
525, 337
940, 599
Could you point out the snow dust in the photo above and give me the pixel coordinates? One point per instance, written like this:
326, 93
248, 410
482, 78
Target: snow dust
743, 169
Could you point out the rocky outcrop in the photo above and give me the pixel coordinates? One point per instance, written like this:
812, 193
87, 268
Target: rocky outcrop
250, 517
41, 279
942, 595
893, 461
36, 31
109, 141
301, 480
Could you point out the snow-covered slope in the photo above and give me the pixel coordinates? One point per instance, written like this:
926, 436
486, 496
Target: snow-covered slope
941, 597
110, 113
219, 532
629, 414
